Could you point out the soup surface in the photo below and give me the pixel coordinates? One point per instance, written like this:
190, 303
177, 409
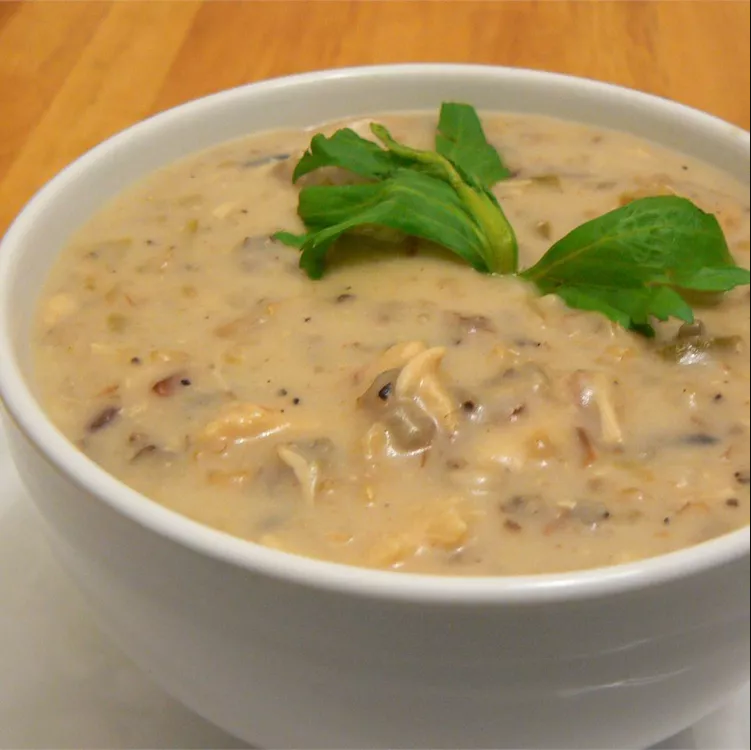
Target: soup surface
405, 412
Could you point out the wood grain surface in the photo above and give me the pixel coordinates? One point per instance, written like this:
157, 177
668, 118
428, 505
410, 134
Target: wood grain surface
73, 73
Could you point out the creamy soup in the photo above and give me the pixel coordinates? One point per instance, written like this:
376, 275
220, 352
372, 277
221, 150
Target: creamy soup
404, 412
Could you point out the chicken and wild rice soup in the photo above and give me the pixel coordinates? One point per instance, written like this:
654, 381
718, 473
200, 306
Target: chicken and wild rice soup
404, 411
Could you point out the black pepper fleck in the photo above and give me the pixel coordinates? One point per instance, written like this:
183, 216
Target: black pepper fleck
185, 381
135, 360
283, 392
346, 297
718, 397
666, 521
296, 401
469, 406
307, 320
742, 477
733, 502
385, 392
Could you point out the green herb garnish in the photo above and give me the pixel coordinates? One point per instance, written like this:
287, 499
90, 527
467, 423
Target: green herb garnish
634, 264
461, 140
419, 193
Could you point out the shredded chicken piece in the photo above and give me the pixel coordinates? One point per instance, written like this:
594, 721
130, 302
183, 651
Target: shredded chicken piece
419, 381
596, 389
443, 527
244, 421
247, 323
447, 530
612, 434
501, 447
306, 472
391, 551
58, 308
394, 358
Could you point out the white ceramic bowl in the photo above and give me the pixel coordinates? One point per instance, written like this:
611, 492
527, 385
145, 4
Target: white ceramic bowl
288, 652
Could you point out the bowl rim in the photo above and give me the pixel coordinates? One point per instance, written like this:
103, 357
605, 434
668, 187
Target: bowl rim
29, 418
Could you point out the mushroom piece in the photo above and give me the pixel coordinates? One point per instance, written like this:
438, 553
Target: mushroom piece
510, 392
405, 430
264, 160
103, 418
590, 513
170, 385
379, 396
690, 331
410, 405
409, 429
692, 345
525, 506
469, 324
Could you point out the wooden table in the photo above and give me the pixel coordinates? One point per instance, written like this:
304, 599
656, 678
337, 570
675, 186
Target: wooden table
73, 73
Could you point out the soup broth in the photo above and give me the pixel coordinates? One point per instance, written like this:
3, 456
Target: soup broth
405, 412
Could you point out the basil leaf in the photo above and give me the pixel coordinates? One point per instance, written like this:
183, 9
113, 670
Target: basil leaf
712, 279
461, 139
631, 263
500, 247
644, 261
411, 202
630, 308
347, 150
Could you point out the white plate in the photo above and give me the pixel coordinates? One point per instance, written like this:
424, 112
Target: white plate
64, 685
